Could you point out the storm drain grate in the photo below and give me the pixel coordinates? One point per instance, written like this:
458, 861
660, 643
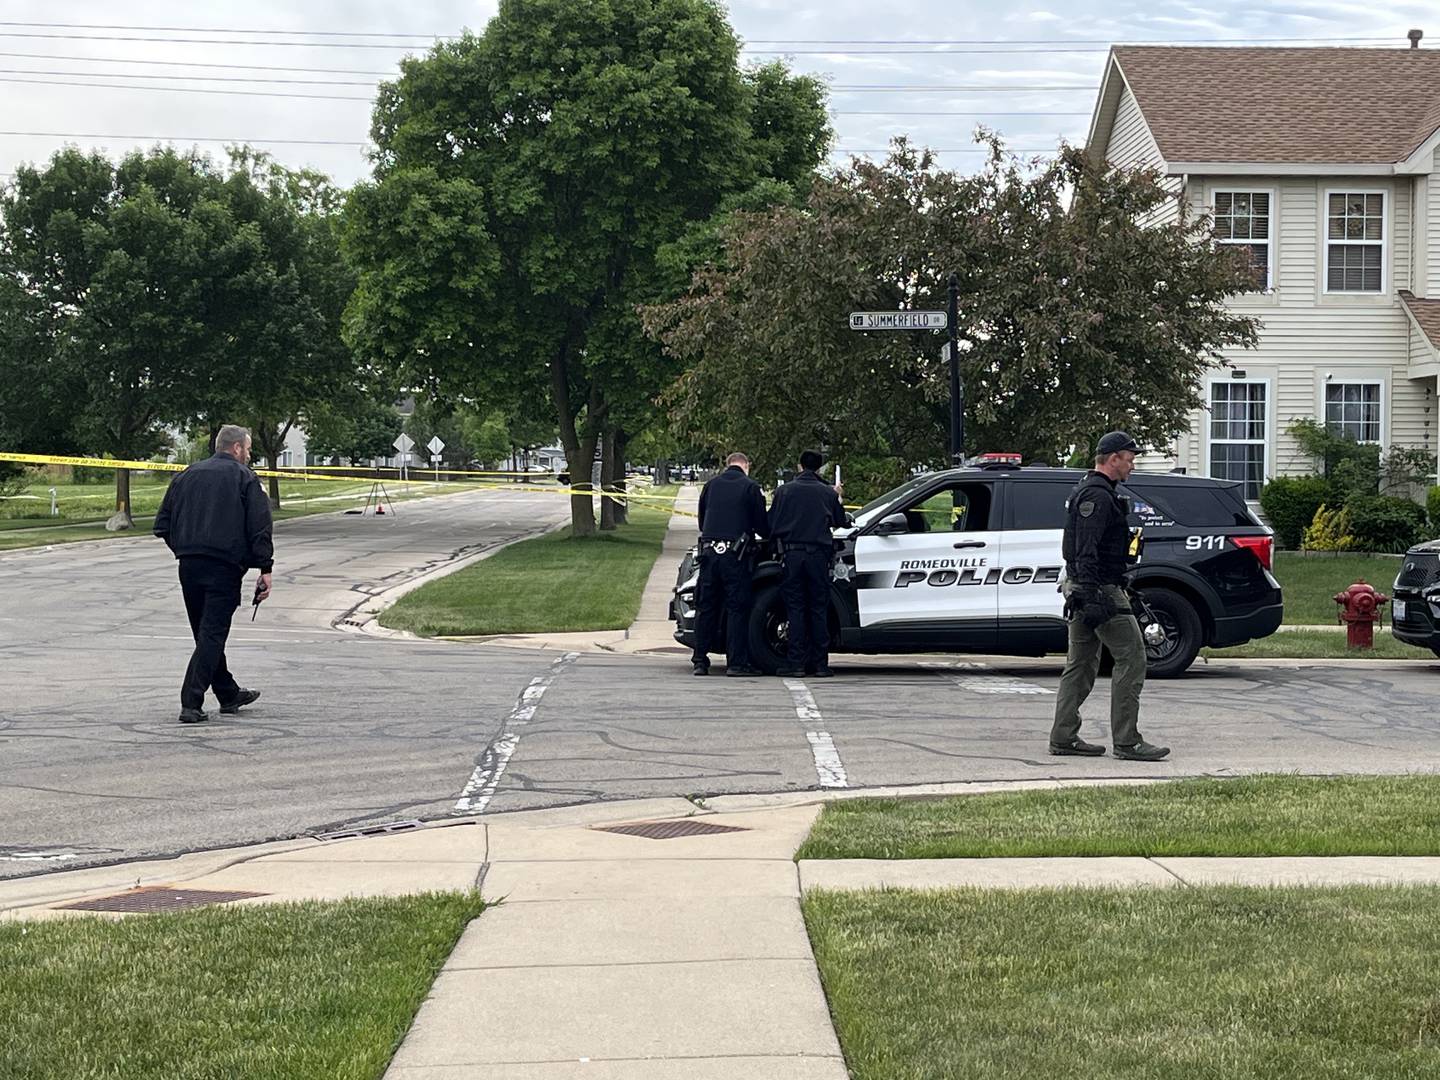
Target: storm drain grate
669, 830
157, 898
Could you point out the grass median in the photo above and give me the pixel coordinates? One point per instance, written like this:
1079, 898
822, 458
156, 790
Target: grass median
1310, 581
298, 498
1245, 816
1217, 982
313, 991
1320, 645
552, 584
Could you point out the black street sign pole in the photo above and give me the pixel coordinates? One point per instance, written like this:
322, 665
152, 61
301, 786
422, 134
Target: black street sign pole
957, 388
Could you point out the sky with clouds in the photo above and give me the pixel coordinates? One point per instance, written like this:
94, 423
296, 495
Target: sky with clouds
194, 82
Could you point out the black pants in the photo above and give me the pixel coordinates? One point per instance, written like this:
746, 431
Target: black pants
806, 586
724, 585
212, 593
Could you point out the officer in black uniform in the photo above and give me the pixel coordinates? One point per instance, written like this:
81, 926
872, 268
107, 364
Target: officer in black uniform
801, 516
1098, 549
732, 514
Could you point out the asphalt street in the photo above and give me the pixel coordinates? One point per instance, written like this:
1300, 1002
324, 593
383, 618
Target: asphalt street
358, 730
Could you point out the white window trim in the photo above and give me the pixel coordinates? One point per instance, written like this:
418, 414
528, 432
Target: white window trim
1386, 218
1272, 243
1340, 380
1266, 473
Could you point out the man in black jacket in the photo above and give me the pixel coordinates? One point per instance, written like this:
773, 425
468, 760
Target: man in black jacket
732, 514
801, 516
215, 517
1097, 548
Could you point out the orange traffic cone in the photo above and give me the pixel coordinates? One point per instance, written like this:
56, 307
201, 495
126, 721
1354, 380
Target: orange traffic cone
379, 509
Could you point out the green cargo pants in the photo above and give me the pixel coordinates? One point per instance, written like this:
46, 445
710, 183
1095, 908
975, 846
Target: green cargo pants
1121, 635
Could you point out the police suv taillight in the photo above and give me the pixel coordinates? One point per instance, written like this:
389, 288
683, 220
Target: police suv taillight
1262, 546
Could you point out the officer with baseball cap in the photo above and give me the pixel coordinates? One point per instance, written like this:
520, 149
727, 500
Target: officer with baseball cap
1097, 550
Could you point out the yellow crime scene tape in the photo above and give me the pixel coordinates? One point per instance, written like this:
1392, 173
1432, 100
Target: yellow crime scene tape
309, 474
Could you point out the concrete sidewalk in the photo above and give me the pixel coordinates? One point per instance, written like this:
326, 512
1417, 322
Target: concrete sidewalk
610, 954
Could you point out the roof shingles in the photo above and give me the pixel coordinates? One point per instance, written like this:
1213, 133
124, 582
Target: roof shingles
1291, 105
1426, 314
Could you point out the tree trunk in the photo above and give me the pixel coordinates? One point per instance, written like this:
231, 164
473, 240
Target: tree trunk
121, 520
608, 506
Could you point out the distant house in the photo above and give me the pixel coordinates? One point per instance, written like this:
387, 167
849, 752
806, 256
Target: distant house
1325, 165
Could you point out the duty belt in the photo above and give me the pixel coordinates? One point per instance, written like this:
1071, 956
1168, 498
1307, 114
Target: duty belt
722, 547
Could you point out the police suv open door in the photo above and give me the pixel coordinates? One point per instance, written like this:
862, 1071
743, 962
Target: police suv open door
927, 572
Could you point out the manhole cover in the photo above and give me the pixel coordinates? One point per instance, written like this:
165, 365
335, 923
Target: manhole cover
669, 830
156, 898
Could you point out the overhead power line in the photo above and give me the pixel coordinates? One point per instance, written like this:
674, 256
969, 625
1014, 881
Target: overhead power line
209, 41
185, 89
962, 112
195, 63
185, 78
182, 138
217, 30
761, 41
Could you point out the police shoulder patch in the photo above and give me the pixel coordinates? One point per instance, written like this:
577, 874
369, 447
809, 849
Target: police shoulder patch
1087, 508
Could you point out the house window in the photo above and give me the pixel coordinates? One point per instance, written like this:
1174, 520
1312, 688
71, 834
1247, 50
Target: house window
1353, 409
1242, 219
1238, 412
1354, 241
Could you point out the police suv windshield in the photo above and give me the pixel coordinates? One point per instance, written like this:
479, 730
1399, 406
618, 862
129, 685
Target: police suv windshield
874, 506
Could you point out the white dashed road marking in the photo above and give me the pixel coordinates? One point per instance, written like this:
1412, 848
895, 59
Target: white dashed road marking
978, 679
828, 766
491, 767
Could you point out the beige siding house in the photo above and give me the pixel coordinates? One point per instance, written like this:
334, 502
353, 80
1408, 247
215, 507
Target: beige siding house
1325, 164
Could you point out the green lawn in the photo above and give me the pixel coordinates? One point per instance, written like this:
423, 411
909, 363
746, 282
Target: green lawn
81, 520
1318, 645
1166, 984
314, 991
1310, 581
1256, 815
551, 584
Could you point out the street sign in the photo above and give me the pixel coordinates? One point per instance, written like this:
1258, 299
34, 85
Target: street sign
403, 443
898, 320
435, 445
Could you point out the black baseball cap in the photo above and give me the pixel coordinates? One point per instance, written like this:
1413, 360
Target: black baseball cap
1115, 442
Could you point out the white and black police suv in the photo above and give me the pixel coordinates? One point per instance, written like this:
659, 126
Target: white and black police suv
1415, 598
968, 561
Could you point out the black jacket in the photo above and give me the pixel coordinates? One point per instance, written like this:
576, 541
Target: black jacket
217, 508
1097, 536
731, 507
805, 510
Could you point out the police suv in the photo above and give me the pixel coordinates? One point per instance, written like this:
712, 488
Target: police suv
1415, 598
968, 561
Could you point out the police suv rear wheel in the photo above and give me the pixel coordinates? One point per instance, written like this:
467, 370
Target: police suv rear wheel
768, 644
1183, 634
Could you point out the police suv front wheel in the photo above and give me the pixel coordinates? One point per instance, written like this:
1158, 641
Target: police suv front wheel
768, 643
1172, 654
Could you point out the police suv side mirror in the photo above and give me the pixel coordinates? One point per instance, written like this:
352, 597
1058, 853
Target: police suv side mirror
892, 524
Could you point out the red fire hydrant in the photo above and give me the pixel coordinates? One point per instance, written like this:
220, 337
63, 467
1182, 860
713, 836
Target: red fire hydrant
1360, 610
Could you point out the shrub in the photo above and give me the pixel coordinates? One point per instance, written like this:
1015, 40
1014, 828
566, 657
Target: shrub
1385, 523
1329, 531
1290, 503
1432, 504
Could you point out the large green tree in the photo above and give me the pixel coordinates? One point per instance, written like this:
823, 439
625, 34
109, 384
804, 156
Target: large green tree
128, 271
524, 180
1074, 318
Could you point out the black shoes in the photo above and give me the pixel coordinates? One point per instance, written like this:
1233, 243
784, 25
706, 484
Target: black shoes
1142, 751
246, 697
823, 673
193, 716
1079, 748
700, 669
789, 673
741, 672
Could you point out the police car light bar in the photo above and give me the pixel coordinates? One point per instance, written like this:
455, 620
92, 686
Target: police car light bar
999, 459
